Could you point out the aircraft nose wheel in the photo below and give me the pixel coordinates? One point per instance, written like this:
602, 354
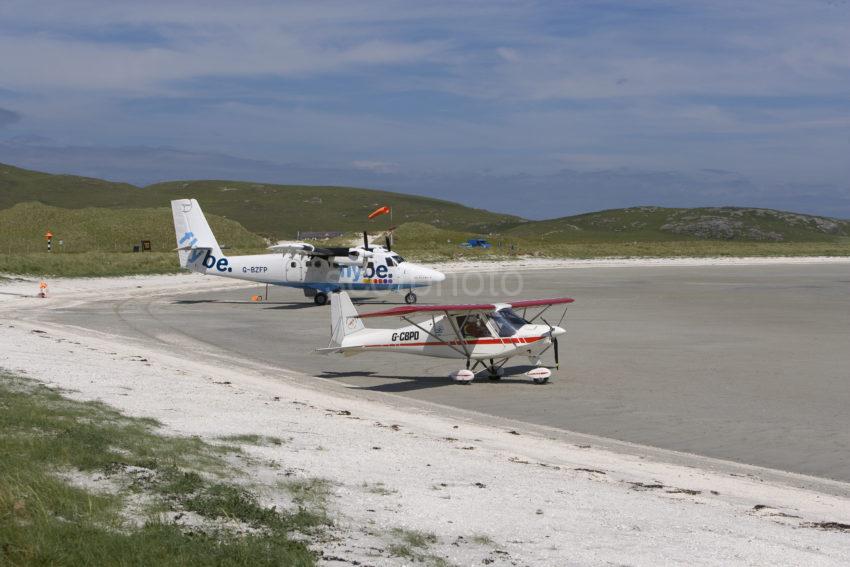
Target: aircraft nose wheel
410, 298
321, 298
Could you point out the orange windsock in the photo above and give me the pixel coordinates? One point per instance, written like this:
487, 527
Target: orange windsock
380, 211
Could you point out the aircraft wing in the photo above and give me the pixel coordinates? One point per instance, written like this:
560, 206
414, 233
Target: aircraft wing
293, 247
540, 302
308, 249
404, 310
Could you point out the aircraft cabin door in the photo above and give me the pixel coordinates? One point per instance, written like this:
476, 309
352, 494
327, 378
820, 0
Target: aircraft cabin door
294, 269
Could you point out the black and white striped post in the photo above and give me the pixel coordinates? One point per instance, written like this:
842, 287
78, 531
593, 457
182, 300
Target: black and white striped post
49, 236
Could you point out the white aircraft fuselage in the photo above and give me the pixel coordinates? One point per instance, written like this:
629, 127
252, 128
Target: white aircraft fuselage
383, 271
436, 338
318, 271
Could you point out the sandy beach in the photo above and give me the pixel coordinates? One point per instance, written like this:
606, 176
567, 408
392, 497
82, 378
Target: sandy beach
531, 498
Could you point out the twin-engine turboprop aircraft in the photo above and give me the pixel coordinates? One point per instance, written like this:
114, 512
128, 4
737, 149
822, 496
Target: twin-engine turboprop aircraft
317, 271
488, 333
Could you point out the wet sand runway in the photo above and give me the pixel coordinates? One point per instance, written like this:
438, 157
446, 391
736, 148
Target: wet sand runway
746, 363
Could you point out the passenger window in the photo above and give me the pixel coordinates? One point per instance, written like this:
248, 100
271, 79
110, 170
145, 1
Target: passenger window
317, 263
292, 264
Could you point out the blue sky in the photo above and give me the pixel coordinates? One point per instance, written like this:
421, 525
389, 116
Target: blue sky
538, 108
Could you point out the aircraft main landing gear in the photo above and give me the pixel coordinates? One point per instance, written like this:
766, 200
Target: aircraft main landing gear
495, 372
410, 298
321, 298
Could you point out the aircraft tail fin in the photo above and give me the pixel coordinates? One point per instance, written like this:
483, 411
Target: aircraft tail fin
344, 318
195, 239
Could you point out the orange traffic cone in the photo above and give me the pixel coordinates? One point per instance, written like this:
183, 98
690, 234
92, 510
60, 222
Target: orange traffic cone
42, 289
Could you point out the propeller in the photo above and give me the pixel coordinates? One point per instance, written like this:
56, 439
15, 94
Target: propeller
389, 243
366, 241
554, 342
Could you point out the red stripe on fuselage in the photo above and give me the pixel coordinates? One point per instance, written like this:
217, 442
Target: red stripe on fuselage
514, 341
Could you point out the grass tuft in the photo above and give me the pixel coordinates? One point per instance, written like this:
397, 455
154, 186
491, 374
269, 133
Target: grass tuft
253, 439
48, 519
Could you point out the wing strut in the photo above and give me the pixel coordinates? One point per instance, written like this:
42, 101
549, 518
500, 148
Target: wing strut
432, 335
542, 311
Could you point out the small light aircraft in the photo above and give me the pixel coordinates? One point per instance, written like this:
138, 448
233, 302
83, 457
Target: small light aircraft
316, 270
487, 333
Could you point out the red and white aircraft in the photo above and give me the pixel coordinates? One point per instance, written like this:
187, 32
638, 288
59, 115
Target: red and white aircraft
487, 333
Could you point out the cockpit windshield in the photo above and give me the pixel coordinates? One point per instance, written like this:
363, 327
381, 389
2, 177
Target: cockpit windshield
398, 259
507, 322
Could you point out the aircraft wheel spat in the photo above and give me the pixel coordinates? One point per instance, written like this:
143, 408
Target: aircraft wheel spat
539, 375
462, 376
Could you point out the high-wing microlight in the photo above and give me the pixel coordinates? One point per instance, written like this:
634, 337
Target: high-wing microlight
487, 333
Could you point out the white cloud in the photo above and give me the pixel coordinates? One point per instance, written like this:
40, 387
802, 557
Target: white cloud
376, 166
508, 54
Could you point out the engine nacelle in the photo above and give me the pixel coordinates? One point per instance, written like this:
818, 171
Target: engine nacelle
359, 255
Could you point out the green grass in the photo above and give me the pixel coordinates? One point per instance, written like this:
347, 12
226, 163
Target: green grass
482, 539
22, 229
378, 488
102, 264
46, 520
423, 242
413, 545
89, 264
309, 493
253, 439
414, 538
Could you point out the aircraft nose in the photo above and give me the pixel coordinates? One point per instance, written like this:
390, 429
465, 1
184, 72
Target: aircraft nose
436, 276
558, 331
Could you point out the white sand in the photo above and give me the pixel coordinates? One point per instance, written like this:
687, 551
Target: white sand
455, 479
532, 263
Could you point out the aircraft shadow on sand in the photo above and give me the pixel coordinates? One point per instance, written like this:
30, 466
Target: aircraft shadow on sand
259, 304
413, 383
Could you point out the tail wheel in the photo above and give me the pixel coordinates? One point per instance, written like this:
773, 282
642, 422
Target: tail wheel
321, 298
410, 298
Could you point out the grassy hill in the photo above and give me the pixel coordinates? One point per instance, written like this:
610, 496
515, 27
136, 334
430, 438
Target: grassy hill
273, 211
97, 218
658, 224
71, 191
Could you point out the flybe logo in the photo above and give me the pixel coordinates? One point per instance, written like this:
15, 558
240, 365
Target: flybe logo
356, 272
209, 261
